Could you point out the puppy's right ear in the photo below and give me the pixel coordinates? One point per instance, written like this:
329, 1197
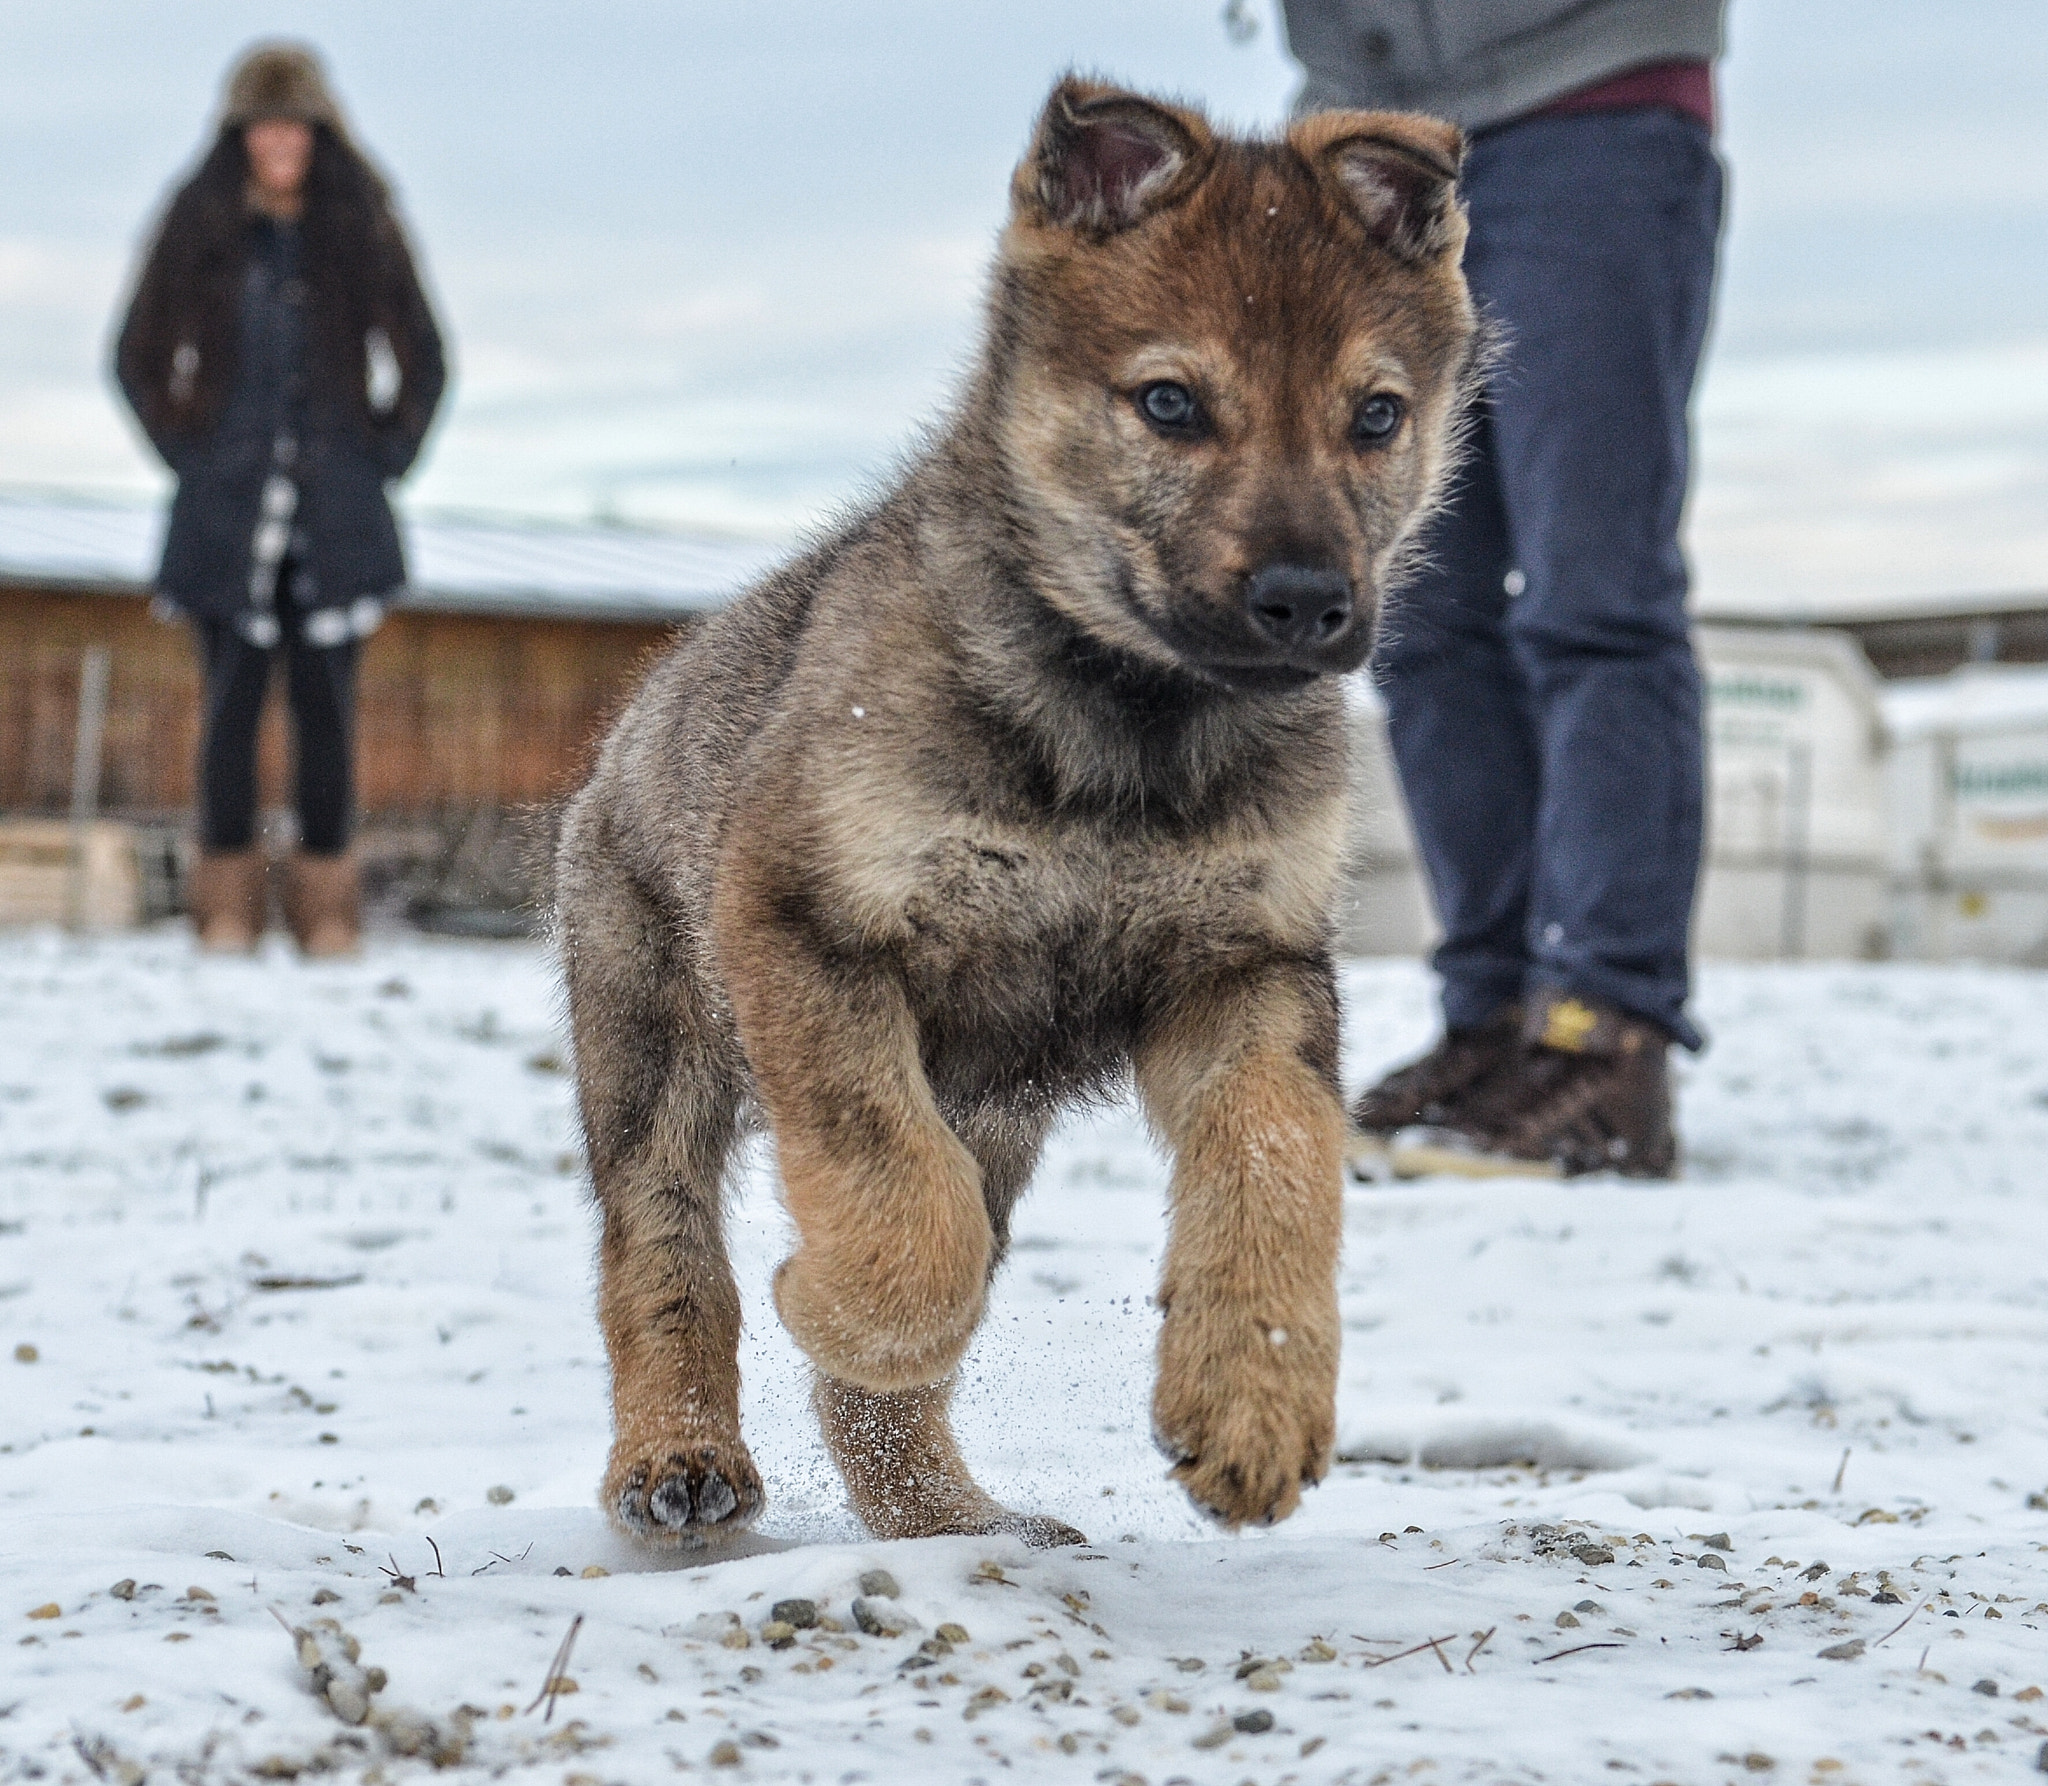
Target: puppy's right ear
1103, 159
1397, 172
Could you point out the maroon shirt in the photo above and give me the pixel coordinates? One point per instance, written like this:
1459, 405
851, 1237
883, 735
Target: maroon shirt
1683, 87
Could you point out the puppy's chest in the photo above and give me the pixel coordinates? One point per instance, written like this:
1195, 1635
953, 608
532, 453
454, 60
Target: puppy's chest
1073, 910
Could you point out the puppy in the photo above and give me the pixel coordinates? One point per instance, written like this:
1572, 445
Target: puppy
1028, 780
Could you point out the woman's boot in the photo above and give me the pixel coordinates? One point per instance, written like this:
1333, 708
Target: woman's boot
229, 900
323, 903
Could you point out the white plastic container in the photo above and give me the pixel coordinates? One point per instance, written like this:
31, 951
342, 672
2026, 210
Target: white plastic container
1795, 860
1969, 799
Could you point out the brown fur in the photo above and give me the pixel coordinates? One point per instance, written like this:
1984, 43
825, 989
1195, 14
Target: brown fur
1009, 788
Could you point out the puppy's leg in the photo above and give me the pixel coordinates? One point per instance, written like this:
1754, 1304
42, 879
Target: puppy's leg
1240, 1078
659, 1091
885, 1286
904, 1473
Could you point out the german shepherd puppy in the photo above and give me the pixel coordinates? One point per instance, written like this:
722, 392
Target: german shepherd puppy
1029, 777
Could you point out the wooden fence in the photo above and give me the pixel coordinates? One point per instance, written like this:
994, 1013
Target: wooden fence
457, 712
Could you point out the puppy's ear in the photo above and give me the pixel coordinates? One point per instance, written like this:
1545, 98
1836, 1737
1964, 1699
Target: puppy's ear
1398, 173
1103, 159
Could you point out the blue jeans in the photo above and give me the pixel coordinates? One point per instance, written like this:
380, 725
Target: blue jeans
1542, 694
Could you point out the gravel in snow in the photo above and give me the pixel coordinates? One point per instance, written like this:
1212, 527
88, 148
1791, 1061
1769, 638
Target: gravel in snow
1744, 1477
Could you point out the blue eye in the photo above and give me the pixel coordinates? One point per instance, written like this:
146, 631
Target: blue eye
1170, 407
1377, 420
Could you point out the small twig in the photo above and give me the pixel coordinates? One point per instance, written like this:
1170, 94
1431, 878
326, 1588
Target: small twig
1921, 1668
1440, 1656
496, 1558
553, 1684
1485, 1637
397, 1580
1903, 1623
1574, 1650
284, 1622
438, 1568
1840, 1470
1445, 1564
1428, 1643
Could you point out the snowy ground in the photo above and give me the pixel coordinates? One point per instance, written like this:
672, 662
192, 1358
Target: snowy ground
295, 1278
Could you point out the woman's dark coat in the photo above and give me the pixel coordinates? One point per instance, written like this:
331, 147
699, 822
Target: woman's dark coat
198, 355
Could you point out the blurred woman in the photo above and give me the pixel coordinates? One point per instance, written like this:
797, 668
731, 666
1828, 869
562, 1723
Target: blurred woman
281, 356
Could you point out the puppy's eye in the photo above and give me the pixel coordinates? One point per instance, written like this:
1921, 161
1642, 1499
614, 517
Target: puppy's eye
1378, 419
1170, 407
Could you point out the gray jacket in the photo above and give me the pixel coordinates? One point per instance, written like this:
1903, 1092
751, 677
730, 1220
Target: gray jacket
1481, 62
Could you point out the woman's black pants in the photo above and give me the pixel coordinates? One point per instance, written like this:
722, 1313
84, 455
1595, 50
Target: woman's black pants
320, 682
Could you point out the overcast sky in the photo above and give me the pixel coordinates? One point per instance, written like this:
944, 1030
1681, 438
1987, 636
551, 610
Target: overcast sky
711, 263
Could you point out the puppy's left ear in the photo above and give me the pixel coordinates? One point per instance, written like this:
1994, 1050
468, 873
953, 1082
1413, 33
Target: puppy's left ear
1102, 159
1396, 171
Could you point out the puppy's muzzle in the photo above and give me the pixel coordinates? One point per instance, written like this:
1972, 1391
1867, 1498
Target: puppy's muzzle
1298, 610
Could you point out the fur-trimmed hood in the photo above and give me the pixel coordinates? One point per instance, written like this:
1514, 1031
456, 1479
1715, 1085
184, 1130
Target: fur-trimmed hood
280, 80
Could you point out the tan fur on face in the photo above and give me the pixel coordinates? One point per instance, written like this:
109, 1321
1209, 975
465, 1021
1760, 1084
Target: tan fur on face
966, 815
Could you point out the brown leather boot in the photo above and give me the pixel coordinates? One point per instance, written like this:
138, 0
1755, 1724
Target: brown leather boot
1589, 1090
1429, 1090
323, 903
230, 898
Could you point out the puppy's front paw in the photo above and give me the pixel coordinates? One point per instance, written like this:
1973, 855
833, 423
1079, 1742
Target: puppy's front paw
683, 1497
1247, 1411
881, 1330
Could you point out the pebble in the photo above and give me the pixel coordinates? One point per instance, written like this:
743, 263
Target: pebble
48, 1610
953, 1633
1717, 1541
879, 1619
26, 1353
799, 1615
1253, 1723
1317, 1650
1263, 1680
1214, 1738
986, 1701
1843, 1652
124, 1589
1126, 1715
1591, 1608
595, 1571
1592, 1554
1989, 1688
879, 1584
501, 1496
325, 1597
778, 1634
1189, 1664
1162, 1701
1712, 1560
1567, 1621
725, 1754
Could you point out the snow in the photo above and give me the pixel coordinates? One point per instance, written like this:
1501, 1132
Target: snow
304, 1260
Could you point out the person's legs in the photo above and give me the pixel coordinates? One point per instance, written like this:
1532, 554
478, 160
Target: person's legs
235, 674
1462, 741
321, 681
323, 891
1594, 246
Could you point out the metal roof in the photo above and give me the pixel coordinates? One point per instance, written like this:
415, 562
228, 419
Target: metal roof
460, 563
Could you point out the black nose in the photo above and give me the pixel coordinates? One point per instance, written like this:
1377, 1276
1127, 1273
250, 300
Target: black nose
1298, 607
